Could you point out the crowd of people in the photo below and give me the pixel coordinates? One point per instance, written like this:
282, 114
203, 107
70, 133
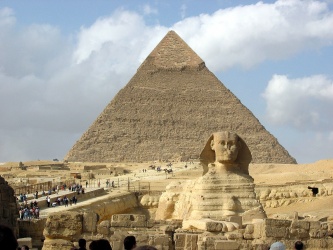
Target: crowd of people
28, 211
61, 201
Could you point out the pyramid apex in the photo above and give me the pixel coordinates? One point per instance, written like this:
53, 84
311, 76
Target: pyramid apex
172, 53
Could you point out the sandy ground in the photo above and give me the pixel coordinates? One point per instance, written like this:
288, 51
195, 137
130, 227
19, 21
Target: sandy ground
263, 174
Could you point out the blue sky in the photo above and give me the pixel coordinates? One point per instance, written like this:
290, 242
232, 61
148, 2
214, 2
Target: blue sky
62, 62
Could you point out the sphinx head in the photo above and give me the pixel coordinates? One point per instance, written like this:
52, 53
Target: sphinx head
226, 148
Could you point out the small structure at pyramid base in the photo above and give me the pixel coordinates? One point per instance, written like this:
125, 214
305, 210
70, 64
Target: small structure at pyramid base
224, 194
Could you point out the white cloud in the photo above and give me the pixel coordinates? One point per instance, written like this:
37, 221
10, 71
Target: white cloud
52, 88
148, 10
7, 18
250, 34
183, 9
303, 102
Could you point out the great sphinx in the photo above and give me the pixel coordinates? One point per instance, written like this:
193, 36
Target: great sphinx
225, 189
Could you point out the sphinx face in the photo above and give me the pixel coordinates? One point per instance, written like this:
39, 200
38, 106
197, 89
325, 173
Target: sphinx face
226, 146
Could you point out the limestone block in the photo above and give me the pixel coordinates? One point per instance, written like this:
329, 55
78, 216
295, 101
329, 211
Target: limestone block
90, 221
57, 244
316, 230
191, 241
210, 225
248, 233
276, 228
276, 232
226, 245
149, 201
298, 233
236, 219
25, 241
318, 243
277, 223
180, 240
257, 245
258, 228
318, 233
330, 228
234, 235
104, 227
249, 229
255, 213
314, 225
161, 239
296, 224
63, 225
128, 220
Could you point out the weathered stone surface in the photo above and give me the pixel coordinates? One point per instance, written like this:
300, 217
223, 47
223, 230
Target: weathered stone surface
128, 220
33, 229
90, 221
25, 241
104, 228
210, 225
8, 207
63, 225
149, 201
226, 245
57, 244
172, 103
186, 241
224, 192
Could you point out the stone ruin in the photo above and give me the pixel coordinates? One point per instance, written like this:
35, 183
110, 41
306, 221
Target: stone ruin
219, 210
8, 207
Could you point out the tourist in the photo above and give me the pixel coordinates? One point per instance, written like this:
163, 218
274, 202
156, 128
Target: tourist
299, 245
93, 245
129, 242
7, 238
277, 246
66, 201
82, 244
103, 245
36, 212
48, 201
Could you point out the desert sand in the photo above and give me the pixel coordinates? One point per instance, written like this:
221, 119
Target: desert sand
263, 174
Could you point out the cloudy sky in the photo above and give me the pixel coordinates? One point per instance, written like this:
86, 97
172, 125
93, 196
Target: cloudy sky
62, 62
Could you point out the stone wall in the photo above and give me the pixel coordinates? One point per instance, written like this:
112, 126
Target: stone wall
8, 206
33, 229
283, 195
64, 230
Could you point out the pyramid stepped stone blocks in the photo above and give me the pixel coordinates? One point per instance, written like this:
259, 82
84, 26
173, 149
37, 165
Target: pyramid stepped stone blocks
166, 111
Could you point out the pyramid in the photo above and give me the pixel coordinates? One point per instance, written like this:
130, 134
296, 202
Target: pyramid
167, 111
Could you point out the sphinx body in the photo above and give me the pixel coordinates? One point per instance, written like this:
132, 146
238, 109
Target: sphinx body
226, 189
